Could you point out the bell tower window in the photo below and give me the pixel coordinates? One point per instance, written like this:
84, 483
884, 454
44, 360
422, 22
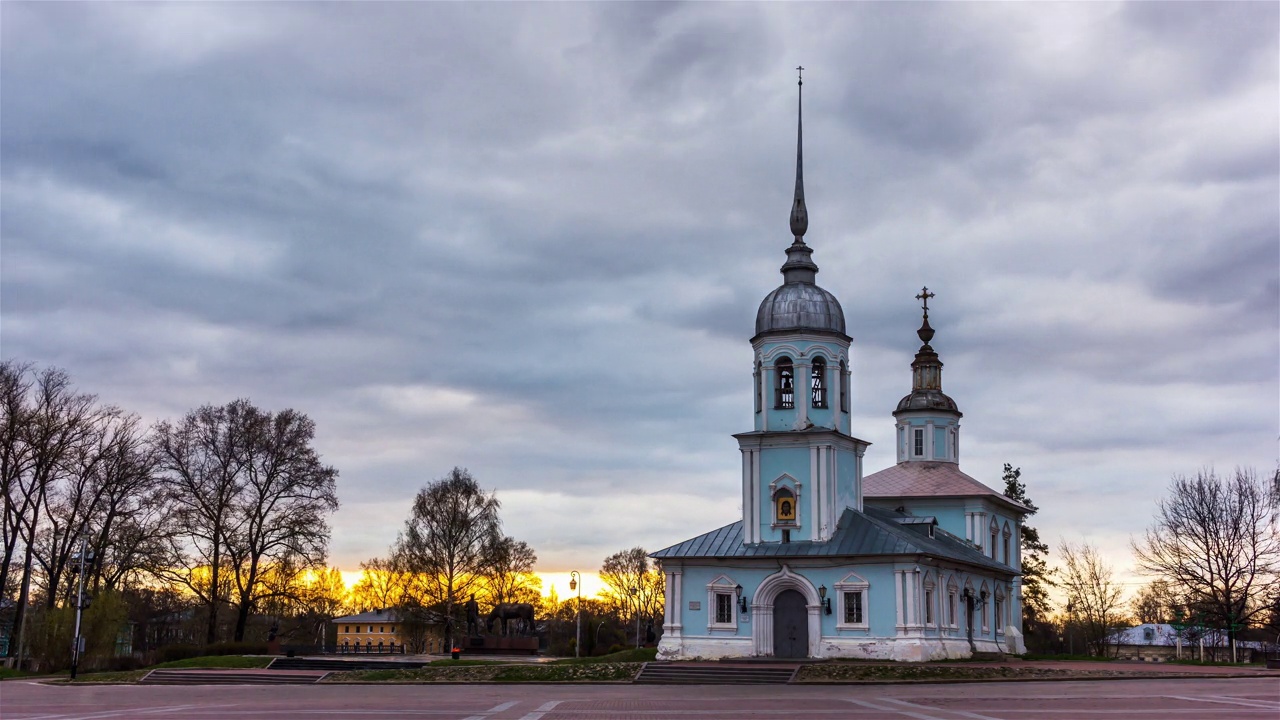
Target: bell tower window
757, 393
818, 383
784, 389
918, 442
844, 388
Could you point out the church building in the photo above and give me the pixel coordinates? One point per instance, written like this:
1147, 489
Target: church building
915, 562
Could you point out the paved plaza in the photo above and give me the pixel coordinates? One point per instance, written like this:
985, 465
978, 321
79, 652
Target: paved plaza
1164, 699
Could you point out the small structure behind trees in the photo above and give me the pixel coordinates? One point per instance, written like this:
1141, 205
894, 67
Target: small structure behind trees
1093, 597
1215, 541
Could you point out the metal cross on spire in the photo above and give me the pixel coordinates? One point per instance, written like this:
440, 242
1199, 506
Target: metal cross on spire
800, 73
924, 296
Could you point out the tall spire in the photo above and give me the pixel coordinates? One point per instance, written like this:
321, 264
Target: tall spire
799, 267
799, 215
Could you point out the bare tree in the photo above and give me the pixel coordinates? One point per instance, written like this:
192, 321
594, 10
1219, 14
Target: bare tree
45, 421
508, 575
448, 539
202, 472
1215, 539
381, 585
635, 586
1092, 594
1154, 603
282, 508
251, 496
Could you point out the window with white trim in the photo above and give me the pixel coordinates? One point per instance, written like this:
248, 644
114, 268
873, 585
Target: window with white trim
844, 388
784, 385
1008, 556
818, 384
999, 613
852, 594
758, 391
953, 603
722, 606
984, 593
995, 534
929, 618
917, 449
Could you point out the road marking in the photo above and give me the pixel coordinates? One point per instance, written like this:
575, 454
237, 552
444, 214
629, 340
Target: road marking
129, 712
881, 708
494, 709
1266, 704
963, 713
543, 709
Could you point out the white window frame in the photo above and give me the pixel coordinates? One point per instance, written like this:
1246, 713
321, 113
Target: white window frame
853, 583
930, 601
999, 609
953, 603
982, 607
795, 486
722, 585
994, 532
1008, 554
917, 442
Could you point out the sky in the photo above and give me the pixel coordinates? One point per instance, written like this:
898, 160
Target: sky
530, 239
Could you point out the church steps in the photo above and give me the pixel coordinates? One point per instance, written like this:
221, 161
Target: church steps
680, 674
341, 665
229, 677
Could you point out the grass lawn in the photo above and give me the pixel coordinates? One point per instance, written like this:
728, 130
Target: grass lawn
208, 661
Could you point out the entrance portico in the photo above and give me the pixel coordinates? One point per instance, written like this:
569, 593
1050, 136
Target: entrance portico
769, 617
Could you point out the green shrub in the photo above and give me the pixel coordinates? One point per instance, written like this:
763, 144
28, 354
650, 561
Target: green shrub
170, 653
235, 648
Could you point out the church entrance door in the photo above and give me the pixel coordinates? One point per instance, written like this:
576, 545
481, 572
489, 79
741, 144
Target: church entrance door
790, 625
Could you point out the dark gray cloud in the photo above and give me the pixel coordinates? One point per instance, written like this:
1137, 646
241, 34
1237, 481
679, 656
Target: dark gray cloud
530, 239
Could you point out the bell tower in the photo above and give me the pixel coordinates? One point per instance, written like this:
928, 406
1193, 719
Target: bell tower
928, 421
801, 466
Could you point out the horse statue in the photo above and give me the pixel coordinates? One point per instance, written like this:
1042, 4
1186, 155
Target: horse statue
512, 611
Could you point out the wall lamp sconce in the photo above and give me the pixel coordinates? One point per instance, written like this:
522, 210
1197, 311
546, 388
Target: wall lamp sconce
742, 602
823, 599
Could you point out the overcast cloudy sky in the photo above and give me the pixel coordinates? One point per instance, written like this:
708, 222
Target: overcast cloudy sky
531, 239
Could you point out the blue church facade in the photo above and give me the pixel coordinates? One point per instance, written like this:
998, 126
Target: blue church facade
915, 562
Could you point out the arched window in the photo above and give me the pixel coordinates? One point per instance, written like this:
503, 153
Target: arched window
818, 384
759, 390
784, 387
784, 506
844, 388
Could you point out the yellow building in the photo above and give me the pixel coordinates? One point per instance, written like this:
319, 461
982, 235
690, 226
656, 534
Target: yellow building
376, 631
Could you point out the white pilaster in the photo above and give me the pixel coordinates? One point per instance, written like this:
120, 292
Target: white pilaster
814, 493
755, 494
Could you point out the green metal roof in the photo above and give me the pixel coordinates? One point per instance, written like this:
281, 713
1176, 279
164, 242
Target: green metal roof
871, 532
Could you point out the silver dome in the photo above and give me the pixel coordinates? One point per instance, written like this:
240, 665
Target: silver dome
927, 400
800, 306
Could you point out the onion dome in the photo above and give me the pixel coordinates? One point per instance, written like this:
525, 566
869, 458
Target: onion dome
926, 373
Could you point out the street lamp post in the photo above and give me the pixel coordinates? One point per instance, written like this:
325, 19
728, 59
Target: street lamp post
76, 641
635, 598
575, 583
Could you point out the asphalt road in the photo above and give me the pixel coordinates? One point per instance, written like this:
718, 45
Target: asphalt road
1172, 699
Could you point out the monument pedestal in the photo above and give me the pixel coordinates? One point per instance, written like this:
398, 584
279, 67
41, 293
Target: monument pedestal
501, 645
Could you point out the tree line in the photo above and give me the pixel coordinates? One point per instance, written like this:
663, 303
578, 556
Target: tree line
452, 548
224, 510
1212, 552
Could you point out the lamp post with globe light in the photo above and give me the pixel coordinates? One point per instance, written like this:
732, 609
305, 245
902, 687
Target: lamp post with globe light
575, 583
